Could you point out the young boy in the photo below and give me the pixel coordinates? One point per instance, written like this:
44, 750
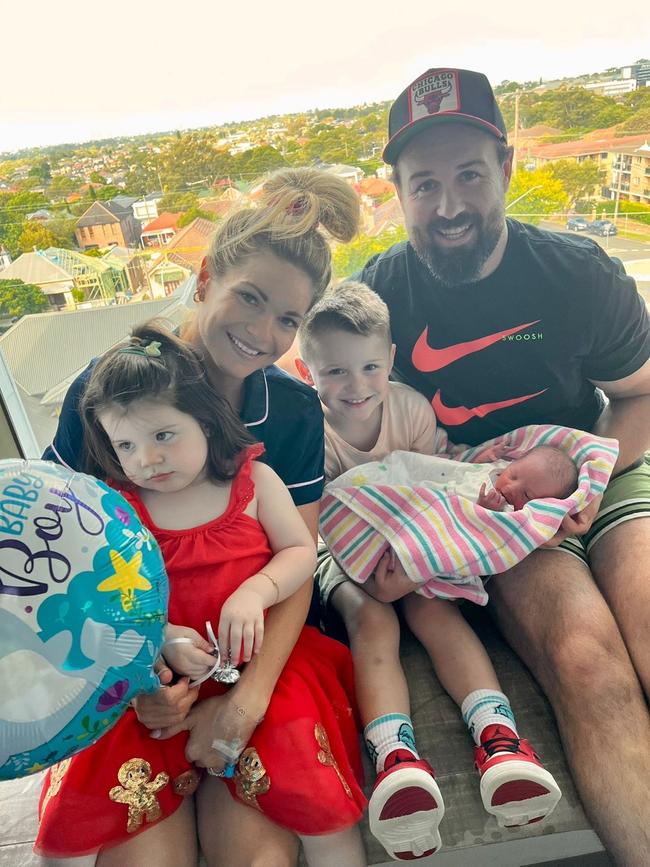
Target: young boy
347, 354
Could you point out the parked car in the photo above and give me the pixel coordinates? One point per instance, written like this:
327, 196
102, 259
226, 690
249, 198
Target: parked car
602, 227
577, 224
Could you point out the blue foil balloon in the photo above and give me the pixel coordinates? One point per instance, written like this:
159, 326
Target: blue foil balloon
83, 604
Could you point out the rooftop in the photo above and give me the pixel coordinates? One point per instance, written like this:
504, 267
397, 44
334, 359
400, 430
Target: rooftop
167, 220
36, 268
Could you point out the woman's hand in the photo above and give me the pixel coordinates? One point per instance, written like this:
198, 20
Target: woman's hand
241, 625
169, 705
219, 730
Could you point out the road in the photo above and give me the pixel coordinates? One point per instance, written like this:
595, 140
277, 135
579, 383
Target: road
613, 244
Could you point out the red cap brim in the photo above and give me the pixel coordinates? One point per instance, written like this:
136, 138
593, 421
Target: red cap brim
404, 135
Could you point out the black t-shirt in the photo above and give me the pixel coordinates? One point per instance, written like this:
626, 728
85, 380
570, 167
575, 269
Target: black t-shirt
520, 346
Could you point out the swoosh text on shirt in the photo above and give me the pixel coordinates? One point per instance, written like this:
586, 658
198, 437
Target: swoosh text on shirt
451, 416
427, 359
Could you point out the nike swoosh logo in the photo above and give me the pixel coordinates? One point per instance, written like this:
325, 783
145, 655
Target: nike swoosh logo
427, 359
452, 416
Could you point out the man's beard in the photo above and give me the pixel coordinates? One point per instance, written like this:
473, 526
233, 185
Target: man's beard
454, 266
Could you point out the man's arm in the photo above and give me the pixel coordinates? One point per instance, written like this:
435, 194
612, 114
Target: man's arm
627, 415
626, 418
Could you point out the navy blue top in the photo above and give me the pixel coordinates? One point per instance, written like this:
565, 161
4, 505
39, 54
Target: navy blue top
278, 410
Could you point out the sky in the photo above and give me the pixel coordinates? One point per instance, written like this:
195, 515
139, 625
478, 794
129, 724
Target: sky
73, 71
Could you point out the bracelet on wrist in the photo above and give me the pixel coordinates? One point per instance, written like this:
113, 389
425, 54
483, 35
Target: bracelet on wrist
273, 581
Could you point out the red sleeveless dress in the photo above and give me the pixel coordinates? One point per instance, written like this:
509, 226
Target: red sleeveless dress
302, 765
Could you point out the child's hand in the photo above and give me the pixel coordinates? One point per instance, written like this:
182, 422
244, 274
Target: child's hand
390, 582
491, 499
190, 656
241, 627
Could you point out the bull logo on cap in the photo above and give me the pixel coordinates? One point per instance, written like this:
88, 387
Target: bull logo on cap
432, 99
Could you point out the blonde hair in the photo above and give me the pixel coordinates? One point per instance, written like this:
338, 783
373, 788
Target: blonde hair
294, 204
351, 307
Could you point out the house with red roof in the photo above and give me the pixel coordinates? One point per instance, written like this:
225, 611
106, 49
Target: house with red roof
613, 154
160, 231
181, 257
375, 188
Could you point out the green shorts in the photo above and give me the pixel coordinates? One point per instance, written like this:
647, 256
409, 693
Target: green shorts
328, 574
627, 496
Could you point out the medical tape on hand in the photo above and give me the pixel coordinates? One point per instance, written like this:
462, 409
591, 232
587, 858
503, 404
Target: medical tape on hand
230, 750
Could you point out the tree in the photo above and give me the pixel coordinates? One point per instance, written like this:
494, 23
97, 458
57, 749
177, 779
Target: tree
192, 213
103, 194
639, 122
258, 161
35, 236
350, 258
175, 202
579, 180
61, 186
62, 229
18, 298
567, 108
536, 194
41, 170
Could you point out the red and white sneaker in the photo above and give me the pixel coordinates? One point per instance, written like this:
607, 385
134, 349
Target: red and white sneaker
406, 807
515, 787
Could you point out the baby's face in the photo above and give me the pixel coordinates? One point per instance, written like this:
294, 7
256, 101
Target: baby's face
526, 479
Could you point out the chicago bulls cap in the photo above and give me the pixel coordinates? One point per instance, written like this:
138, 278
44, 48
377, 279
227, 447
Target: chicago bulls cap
442, 95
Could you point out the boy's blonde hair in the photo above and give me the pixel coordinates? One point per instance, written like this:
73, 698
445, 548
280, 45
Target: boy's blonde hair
294, 204
351, 307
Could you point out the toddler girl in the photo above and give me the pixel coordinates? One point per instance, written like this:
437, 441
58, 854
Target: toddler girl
234, 544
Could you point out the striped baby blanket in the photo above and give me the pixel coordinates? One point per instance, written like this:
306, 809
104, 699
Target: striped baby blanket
445, 541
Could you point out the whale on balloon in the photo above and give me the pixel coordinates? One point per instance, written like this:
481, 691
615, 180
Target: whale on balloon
45, 698
83, 603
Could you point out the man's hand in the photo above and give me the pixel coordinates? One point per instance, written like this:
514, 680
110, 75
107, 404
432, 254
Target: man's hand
575, 525
491, 499
168, 706
390, 582
214, 721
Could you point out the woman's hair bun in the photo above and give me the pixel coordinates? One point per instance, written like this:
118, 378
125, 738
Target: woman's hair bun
306, 198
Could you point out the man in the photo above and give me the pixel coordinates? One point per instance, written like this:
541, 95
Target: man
500, 325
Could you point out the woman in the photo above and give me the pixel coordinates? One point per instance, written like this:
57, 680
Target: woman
265, 268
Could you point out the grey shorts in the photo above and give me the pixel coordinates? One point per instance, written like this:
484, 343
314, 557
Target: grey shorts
328, 574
